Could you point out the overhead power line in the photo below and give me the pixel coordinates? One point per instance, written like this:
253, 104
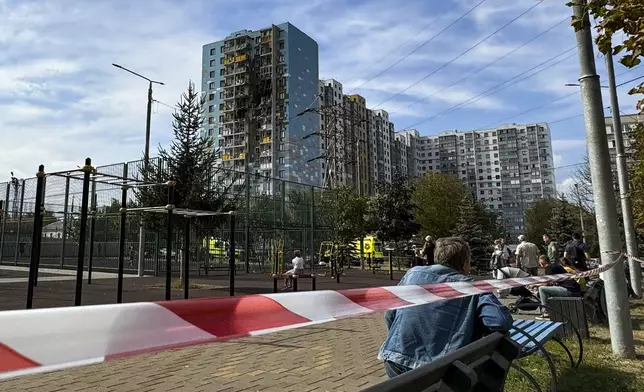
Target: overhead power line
487, 65
420, 46
519, 114
497, 88
462, 54
392, 50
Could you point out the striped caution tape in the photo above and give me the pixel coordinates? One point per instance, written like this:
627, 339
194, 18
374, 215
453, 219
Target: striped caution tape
40, 340
635, 258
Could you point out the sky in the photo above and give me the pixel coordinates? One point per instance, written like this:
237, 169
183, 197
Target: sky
61, 100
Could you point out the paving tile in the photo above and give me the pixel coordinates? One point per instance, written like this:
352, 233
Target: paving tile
337, 356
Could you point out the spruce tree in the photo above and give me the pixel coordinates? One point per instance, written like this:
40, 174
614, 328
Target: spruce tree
190, 161
469, 227
562, 222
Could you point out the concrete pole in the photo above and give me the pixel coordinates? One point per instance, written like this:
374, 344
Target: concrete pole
621, 329
622, 176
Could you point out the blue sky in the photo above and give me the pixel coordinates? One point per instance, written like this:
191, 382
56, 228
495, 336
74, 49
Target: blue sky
61, 100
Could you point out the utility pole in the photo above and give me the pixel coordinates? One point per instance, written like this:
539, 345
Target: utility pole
146, 159
621, 329
622, 177
581, 214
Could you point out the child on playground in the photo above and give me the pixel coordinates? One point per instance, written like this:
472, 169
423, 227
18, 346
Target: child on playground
298, 269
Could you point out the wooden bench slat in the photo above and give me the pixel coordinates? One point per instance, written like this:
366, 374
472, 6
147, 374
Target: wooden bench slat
540, 331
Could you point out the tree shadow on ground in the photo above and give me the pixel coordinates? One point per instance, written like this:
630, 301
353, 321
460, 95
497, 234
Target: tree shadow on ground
596, 378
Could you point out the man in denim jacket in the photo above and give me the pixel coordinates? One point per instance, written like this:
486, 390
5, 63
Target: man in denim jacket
421, 334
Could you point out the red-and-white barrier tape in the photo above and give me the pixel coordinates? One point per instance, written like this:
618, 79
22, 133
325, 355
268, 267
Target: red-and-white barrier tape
635, 258
40, 340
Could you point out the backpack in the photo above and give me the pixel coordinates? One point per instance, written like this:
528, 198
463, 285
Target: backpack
595, 302
499, 260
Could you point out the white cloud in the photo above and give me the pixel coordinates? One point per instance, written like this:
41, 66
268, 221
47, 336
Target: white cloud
61, 100
567, 187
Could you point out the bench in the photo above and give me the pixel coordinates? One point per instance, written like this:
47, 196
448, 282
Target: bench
277, 277
479, 366
572, 312
532, 335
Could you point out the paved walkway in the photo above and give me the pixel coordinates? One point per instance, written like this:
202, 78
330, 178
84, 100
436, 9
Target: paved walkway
338, 356
58, 275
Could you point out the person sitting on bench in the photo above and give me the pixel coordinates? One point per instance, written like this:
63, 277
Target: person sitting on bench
418, 335
565, 288
298, 269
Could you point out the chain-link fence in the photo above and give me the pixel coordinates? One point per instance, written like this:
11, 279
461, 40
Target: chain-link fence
273, 218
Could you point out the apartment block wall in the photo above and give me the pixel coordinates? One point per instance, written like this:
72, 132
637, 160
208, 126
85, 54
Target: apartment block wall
256, 82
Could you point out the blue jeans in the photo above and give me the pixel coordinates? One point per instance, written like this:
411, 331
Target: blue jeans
546, 292
393, 369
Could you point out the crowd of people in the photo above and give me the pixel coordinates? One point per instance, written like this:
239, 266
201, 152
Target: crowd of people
421, 334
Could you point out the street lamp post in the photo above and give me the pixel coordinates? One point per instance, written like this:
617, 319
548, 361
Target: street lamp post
146, 155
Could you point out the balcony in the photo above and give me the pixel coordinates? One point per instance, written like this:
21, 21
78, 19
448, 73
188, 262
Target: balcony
235, 143
266, 166
234, 131
266, 140
266, 154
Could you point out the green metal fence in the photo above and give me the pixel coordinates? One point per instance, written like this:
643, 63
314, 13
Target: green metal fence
273, 218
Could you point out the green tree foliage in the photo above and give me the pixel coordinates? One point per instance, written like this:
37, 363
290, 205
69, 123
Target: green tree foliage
637, 179
392, 211
538, 218
470, 227
562, 221
352, 210
436, 197
191, 162
621, 21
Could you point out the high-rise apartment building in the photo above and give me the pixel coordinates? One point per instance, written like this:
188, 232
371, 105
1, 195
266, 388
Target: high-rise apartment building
629, 122
357, 124
507, 168
256, 83
380, 134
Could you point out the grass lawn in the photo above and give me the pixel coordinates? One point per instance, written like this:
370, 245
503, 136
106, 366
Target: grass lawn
598, 372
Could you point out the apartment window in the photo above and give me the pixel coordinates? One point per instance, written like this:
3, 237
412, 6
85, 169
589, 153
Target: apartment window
221, 83
213, 63
211, 85
221, 95
221, 60
280, 45
211, 108
496, 155
211, 97
280, 160
221, 49
212, 74
482, 192
281, 174
221, 72
213, 51
211, 120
